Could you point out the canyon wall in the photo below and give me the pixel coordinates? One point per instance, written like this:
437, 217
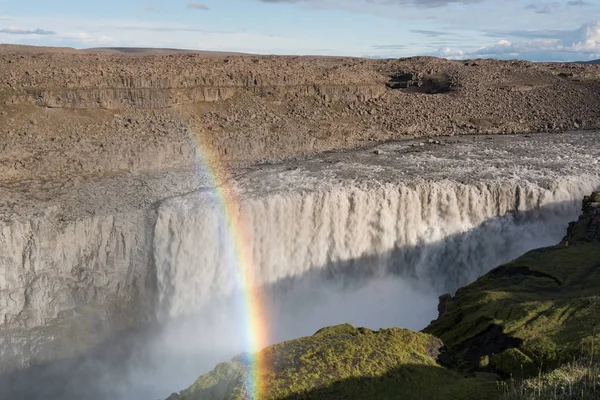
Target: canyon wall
66, 287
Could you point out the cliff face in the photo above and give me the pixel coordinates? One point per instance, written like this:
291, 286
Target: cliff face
66, 287
65, 112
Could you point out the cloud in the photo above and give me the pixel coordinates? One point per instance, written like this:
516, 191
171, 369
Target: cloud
449, 53
18, 31
533, 34
421, 3
577, 3
431, 33
198, 6
163, 29
389, 47
557, 45
542, 8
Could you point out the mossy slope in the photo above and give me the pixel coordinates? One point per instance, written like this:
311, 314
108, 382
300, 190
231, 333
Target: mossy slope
343, 362
536, 312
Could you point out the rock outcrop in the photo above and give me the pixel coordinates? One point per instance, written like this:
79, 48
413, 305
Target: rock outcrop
536, 313
341, 362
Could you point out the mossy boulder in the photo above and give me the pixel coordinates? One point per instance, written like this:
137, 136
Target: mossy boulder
343, 362
513, 363
534, 313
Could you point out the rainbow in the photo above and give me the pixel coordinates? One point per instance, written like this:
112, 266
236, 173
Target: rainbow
242, 260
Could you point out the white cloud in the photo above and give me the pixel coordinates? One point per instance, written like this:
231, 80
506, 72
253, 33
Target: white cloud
449, 53
18, 31
567, 45
198, 6
543, 8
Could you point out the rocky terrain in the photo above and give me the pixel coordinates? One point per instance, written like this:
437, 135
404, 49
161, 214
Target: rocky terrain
109, 159
67, 112
529, 318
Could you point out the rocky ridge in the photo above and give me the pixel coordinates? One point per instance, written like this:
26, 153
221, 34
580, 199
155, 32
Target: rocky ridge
81, 113
535, 313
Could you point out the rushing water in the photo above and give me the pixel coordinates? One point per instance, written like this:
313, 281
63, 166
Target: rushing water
362, 238
369, 239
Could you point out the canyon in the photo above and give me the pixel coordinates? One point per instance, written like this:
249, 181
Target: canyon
359, 185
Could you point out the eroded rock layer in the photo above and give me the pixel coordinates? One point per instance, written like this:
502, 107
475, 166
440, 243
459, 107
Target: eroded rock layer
69, 112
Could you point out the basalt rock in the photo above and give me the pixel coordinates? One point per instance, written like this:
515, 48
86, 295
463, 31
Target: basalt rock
63, 111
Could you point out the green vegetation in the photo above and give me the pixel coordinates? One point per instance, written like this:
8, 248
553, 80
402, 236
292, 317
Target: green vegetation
343, 362
533, 314
576, 380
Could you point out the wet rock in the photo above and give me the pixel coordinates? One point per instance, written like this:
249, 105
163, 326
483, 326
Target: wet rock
443, 303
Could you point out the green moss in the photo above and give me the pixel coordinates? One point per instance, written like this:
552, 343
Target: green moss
222, 383
343, 362
545, 303
513, 363
343, 329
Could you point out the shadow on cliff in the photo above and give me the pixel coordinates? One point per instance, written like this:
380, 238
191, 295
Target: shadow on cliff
108, 371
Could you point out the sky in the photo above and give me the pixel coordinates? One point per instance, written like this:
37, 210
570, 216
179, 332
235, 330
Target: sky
561, 30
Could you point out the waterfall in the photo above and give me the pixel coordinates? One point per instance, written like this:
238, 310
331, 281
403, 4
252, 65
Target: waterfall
439, 234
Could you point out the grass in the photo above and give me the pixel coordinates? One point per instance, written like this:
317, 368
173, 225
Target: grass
575, 380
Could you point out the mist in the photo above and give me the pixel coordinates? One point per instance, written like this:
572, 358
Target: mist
370, 245
396, 286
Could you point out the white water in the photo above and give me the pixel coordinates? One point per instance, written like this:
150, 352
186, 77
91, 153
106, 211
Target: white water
371, 255
443, 235
349, 237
